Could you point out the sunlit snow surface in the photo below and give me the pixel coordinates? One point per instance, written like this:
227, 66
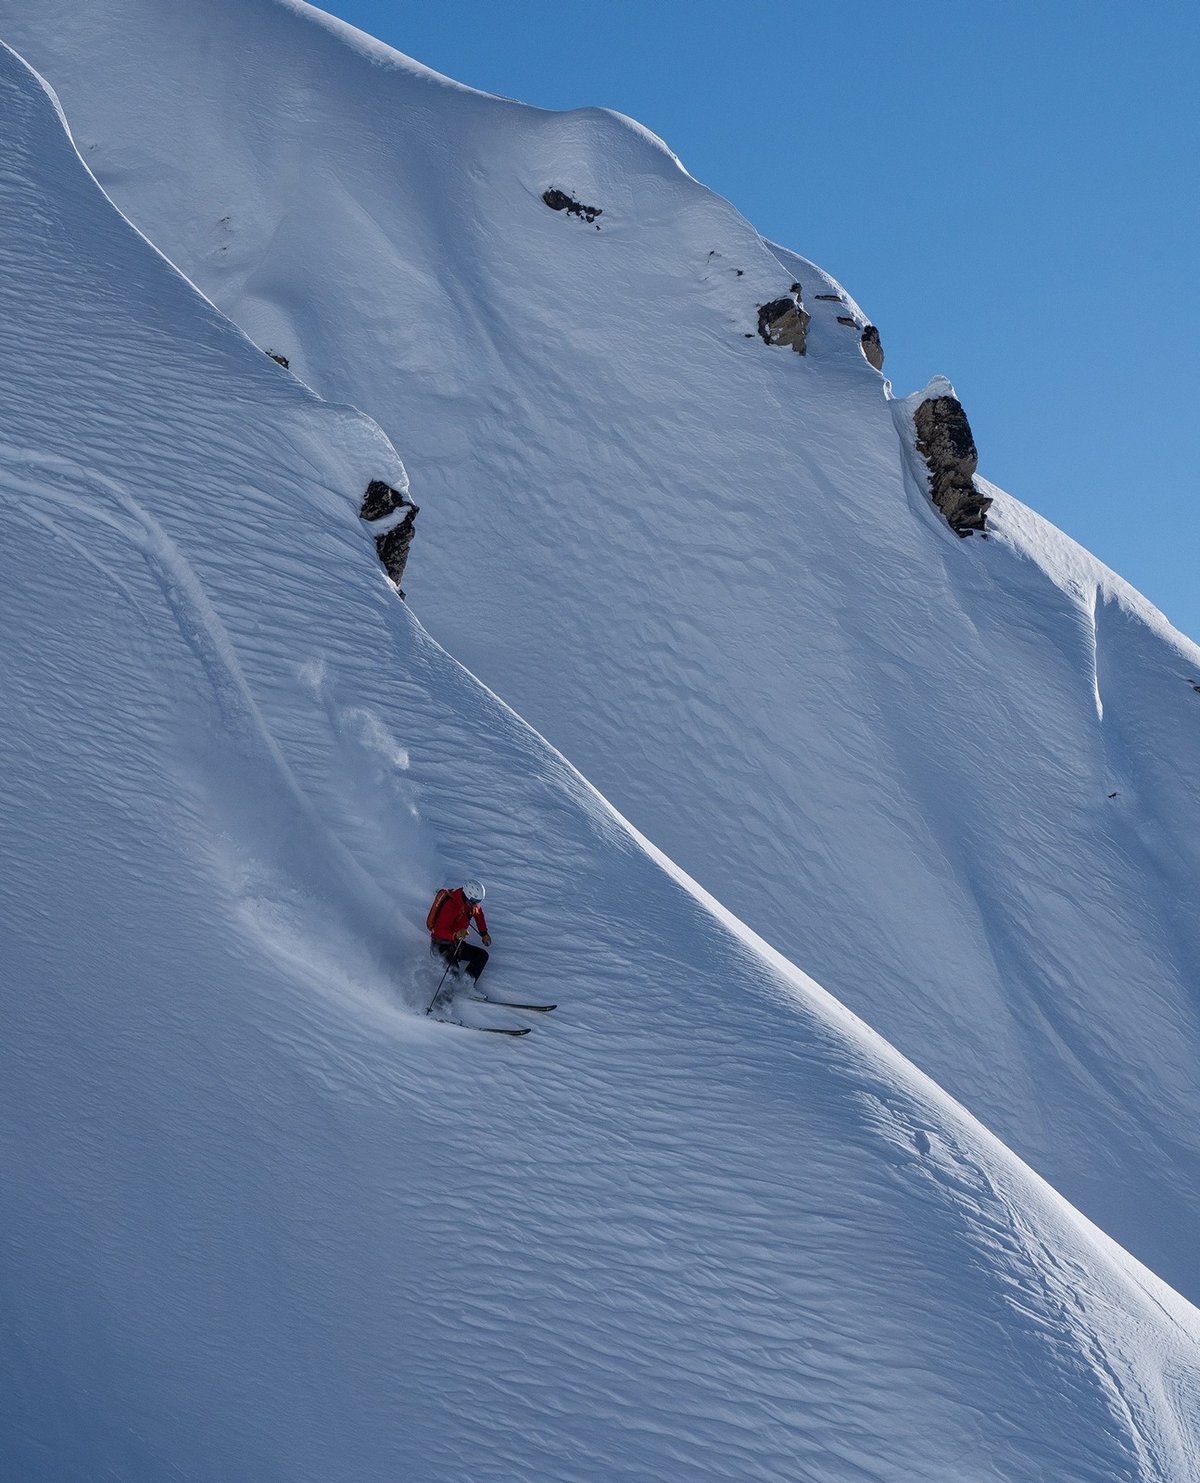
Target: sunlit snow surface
955, 781
260, 1219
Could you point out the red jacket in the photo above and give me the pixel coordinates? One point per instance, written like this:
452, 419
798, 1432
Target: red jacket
455, 915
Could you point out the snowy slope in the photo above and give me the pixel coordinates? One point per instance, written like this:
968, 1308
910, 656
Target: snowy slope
954, 780
261, 1219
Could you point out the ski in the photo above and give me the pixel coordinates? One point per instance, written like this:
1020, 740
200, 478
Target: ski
484, 1029
512, 1004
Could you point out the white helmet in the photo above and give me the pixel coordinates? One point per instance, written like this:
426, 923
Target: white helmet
473, 891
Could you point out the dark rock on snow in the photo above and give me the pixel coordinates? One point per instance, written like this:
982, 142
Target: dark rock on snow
784, 322
944, 441
380, 500
559, 201
392, 546
872, 348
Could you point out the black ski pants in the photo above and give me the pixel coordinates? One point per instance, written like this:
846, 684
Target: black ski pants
465, 956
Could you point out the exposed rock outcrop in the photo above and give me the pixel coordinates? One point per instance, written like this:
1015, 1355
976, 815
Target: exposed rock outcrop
944, 441
784, 322
380, 502
872, 347
559, 201
393, 547
280, 360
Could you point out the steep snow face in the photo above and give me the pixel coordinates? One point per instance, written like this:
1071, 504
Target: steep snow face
263, 1220
955, 780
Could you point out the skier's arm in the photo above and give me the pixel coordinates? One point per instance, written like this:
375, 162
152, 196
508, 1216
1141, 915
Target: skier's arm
481, 924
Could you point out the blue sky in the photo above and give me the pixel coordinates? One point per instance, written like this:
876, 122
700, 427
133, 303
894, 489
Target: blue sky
1010, 190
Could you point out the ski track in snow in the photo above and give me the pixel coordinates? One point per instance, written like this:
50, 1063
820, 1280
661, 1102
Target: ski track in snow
264, 1220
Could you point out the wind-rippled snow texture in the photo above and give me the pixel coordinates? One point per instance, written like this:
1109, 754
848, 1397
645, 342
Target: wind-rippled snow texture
954, 780
262, 1220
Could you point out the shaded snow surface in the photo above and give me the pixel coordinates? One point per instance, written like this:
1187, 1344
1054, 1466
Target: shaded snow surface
264, 1221
956, 781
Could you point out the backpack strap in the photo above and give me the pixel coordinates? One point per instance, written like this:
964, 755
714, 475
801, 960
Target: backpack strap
439, 896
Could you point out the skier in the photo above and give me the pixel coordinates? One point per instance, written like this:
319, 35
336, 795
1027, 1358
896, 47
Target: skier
450, 918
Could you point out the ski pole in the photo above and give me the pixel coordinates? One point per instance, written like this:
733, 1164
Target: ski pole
450, 961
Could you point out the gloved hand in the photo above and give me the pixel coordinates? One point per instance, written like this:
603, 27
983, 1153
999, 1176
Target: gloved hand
487, 939
460, 936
